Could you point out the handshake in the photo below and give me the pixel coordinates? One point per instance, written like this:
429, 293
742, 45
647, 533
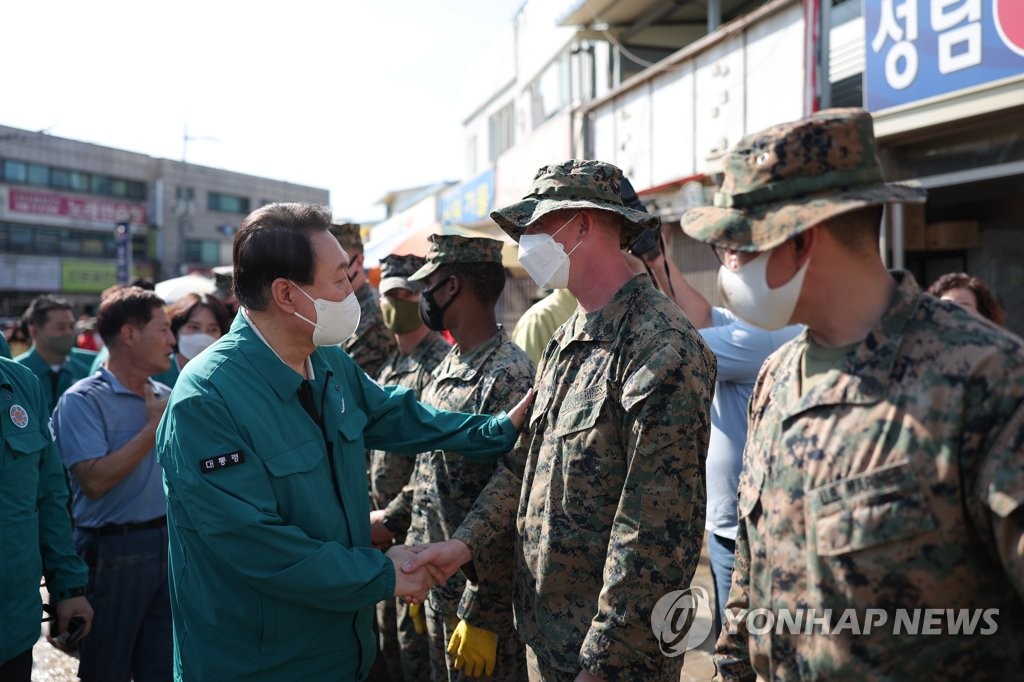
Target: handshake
420, 568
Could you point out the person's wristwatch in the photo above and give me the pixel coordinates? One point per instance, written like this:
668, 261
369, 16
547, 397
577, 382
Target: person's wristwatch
69, 593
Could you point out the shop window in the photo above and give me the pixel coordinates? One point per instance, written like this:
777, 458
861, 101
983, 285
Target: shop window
46, 241
100, 185
60, 178
19, 239
80, 182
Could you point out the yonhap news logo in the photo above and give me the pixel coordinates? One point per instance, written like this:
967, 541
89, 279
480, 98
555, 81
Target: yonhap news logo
681, 620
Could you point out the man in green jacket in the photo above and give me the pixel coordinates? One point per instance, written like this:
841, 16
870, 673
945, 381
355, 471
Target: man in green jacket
53, 356
272, 572
36, 532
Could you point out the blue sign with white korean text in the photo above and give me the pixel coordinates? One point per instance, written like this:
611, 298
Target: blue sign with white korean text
470, 202
922, 48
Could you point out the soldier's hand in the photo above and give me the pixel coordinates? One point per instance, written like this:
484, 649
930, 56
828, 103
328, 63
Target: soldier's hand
154, 406
474, 649
518, 413
380, 536
419, 618
445, 557
412, 585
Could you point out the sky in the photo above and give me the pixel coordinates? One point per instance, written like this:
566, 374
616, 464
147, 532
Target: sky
353, 97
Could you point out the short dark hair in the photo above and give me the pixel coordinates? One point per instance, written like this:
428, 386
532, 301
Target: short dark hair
857, 230
988, 304
127, 305
183, 308
38, 310
485, 280
274, 241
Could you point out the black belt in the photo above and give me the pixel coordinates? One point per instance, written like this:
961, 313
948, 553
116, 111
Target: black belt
125, 528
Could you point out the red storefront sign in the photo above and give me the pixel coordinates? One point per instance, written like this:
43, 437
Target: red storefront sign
74, 208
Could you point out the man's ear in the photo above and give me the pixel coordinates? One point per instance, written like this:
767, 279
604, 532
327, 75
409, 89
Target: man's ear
803, 244
282, 294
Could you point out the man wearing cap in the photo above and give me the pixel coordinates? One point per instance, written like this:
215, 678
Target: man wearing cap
462, 279
608, 476
420, 350
372, 342
884, 472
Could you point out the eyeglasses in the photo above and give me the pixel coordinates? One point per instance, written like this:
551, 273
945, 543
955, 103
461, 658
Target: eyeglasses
732, 258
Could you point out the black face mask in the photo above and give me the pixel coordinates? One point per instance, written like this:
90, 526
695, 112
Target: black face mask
431, 313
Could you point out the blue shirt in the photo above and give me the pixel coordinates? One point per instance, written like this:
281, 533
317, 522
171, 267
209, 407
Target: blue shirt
741, 349
95, 417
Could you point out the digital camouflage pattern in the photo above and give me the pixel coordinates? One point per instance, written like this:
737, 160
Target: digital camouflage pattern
608, 481
445, 485
390, 473
574, 185
790, 177
454, 248
395, 272
349, 235
373, 342
404, 652
895, 482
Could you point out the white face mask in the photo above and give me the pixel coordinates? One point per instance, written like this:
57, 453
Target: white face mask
191, 345
545, 260
747, 294
335, 320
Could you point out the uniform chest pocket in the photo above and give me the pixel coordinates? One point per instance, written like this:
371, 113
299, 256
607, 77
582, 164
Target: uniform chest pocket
296, 460
24, 448
871, 509
578, 416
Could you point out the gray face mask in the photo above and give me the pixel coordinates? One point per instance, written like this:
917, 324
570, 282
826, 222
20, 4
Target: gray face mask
60, 345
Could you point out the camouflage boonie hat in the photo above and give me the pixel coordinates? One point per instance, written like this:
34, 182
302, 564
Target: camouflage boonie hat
574, 184
348, 235
792, 176
395, 272
453, 248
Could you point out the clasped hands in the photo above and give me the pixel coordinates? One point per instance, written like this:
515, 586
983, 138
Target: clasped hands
419, 568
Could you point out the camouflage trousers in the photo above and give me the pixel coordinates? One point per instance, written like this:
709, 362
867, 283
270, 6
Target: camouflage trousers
539, 671
403, 652
509, 665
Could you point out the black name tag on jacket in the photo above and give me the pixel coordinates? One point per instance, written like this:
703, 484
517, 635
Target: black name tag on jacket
221, 462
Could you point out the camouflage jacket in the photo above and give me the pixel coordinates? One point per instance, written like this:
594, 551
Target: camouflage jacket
488, 380
894, 483
389, 473
372, 343
608, 480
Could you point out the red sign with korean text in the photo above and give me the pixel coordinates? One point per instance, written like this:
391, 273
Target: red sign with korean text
74, 208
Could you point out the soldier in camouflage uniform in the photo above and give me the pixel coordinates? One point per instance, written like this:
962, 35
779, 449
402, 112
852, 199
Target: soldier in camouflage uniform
464, 278
372, 343
403, 651
608, 475
885, 464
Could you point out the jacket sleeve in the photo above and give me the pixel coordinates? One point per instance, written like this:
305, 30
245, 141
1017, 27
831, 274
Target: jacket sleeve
399, 423
658, 527
732, 655
233, 514
63, 568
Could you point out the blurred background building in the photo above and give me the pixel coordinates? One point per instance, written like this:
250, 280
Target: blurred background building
60, 200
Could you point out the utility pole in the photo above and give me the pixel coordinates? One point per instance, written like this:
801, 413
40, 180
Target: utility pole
185, 195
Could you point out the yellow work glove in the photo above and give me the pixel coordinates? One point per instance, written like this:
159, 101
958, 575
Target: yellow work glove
419, 619
475, 649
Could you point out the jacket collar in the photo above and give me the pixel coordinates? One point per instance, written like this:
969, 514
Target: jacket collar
864, 376
265, 361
